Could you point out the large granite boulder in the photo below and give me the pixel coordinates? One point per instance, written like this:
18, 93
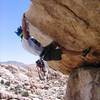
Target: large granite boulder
84, 83
73, 24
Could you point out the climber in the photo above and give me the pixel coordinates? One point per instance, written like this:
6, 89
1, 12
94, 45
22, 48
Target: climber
50, 52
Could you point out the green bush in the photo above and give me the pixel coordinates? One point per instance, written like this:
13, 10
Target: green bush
25, 94
2, 81
7, 83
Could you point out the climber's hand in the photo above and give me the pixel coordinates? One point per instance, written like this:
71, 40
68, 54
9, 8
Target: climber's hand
24, 15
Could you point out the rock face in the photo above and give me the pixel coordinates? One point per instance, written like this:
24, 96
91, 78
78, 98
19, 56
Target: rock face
23, 83
84, 84
74, 24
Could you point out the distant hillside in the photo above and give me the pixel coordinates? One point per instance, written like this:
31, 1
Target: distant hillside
16, 63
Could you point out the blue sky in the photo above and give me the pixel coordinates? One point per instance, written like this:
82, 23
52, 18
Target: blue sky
11, 49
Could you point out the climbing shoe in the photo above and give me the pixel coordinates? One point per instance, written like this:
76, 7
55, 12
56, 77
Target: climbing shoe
86, 51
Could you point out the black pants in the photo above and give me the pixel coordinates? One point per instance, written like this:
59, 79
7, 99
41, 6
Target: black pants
50, 52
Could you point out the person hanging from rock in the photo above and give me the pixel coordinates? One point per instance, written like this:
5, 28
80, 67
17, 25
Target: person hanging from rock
50, 52
47, 53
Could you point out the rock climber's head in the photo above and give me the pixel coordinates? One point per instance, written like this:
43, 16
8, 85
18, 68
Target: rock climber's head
19, 32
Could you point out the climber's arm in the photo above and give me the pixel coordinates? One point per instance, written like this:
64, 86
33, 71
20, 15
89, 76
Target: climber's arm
24, 28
